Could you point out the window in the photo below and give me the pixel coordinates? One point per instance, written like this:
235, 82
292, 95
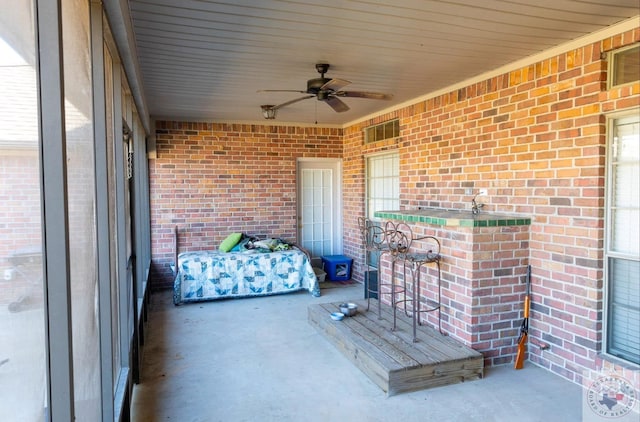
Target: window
68, 332
623, 240
383, 188
383, 183
624, 66
387, 130
23, 356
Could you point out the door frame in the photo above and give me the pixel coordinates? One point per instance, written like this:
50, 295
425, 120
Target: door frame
334, 164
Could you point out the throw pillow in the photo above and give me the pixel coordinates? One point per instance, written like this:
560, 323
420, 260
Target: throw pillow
231, 241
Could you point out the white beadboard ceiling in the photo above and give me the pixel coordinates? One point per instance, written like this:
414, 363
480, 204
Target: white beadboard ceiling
206, 60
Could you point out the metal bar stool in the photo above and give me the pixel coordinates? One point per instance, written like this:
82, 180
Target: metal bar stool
399, 243
374, 239
395, 245
364, 225
415, 261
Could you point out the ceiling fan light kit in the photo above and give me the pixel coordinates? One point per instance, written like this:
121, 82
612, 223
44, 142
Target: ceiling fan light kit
268, 111
324, 89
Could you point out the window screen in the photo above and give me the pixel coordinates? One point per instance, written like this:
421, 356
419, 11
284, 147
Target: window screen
624, 313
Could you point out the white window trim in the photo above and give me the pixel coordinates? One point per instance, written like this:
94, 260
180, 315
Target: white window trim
608, 253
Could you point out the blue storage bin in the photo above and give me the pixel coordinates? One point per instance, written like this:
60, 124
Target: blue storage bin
337, 267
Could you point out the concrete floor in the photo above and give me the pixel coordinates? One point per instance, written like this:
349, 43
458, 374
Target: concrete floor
258, 359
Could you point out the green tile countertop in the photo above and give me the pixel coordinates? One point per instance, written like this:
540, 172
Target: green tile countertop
459, 218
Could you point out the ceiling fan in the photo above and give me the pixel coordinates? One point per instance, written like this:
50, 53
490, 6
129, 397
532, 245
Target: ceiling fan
324, 89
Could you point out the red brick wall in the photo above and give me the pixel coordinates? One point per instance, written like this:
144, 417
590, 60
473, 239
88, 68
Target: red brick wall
20, 200
20, 220
213, 179
535, 139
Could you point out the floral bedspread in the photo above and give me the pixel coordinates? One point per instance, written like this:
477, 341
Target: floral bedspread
209, 275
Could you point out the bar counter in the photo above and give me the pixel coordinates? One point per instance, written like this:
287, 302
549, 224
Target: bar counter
484, 259
454, 218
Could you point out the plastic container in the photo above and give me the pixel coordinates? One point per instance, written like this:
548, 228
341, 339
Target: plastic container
338, 267
320, 274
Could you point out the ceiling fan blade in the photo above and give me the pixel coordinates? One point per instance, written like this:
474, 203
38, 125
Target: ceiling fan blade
281, 90
362, 94
292, 101
336, 104
334, 85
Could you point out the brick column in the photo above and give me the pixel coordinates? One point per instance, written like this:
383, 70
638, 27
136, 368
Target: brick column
483, 285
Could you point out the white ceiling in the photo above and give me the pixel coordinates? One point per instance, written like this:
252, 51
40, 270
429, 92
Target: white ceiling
206, 60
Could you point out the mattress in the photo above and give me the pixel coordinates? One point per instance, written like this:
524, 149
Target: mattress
210, 275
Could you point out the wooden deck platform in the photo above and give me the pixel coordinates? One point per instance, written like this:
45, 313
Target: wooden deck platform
390, 358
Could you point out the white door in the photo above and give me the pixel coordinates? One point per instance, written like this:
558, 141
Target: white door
320, 206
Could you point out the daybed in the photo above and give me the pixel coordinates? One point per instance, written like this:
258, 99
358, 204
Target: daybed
246, 272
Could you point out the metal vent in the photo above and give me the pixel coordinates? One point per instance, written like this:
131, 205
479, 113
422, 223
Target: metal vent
386, 130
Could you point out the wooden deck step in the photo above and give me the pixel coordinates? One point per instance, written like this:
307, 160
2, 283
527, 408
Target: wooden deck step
390, 358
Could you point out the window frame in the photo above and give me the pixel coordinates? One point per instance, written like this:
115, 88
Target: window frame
612, 66
368, 199
609, 253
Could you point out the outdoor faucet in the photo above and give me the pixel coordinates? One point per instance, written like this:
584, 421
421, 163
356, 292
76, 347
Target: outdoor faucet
475, 207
